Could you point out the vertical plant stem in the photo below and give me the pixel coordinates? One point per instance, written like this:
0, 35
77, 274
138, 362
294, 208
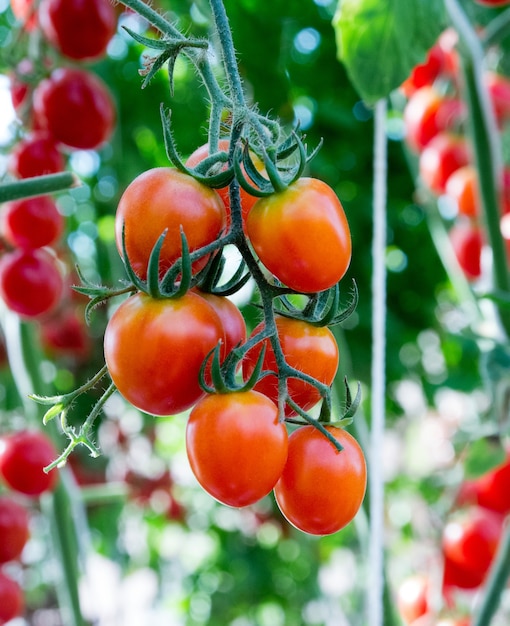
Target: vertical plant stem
24, 360
376, 479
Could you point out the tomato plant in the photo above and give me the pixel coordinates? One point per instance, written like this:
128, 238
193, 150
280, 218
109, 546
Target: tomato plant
307, 348
231, 318
154, 349
165, 199
75, 107
32, 222
236, 446
31, 283
11, 598
79, 30
23, 455
321, 489
312, 263
14, 529
35, 155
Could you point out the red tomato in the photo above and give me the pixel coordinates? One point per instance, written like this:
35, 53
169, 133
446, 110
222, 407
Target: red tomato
160, 199
301, 235
66, 335
79, 29
32, 222
491, 490
36, 155
11, 598
413, 598
75, 107
247, 200
443, 154
154, 349
425, 73
25, 11
309, 349
469, 543
467, 242
462, 187
427, 113
231, 318
23, 455
30, 282
498, 87
14, 530
236, 446
321, 490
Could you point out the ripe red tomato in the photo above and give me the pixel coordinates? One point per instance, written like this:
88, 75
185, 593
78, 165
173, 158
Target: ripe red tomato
11, 598
301, 235
469, 544
413, 598
14, 530
491, 490
443, 154
467, 242
160, 199
236, 446
32, 222
75, 107
231, 318
30, 282
321, 490
79, 29
23, 455
462, 187
309, 349
247, 200
425, 73
428, 113
154, 349
66, 335
36, 155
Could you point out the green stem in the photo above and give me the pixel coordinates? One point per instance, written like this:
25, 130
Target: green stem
486, 148
38, 186
24, 360
496, 584
497, 29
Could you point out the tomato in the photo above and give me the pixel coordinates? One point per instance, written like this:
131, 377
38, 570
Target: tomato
231, 318
154, 349
32, 222
75, 107
467, 241
469, 544
247, 200
19, 83
14, 531
164, 198
36, 155
491, 490
425, 73
23, 455
413, 598
30, 282
427, 113
236, 446
307, 348
444, 153
79, 29
11, 598
462, 187
301, 235
321, 489
66, 335
25, 11
498, 87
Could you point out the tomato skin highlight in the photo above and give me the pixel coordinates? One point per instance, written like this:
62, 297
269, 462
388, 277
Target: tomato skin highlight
321, 490
236, 446
309, 349
164, 198
154, 349
301, 235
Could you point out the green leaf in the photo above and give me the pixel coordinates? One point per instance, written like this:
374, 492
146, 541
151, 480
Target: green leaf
482, 456
380, 41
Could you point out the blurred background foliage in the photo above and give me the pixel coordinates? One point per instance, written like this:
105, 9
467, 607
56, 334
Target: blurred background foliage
207, 564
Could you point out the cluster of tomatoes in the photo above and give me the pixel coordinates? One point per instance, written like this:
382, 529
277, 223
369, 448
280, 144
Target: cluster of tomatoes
434, 120
158, 345
22, 456
469, 542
